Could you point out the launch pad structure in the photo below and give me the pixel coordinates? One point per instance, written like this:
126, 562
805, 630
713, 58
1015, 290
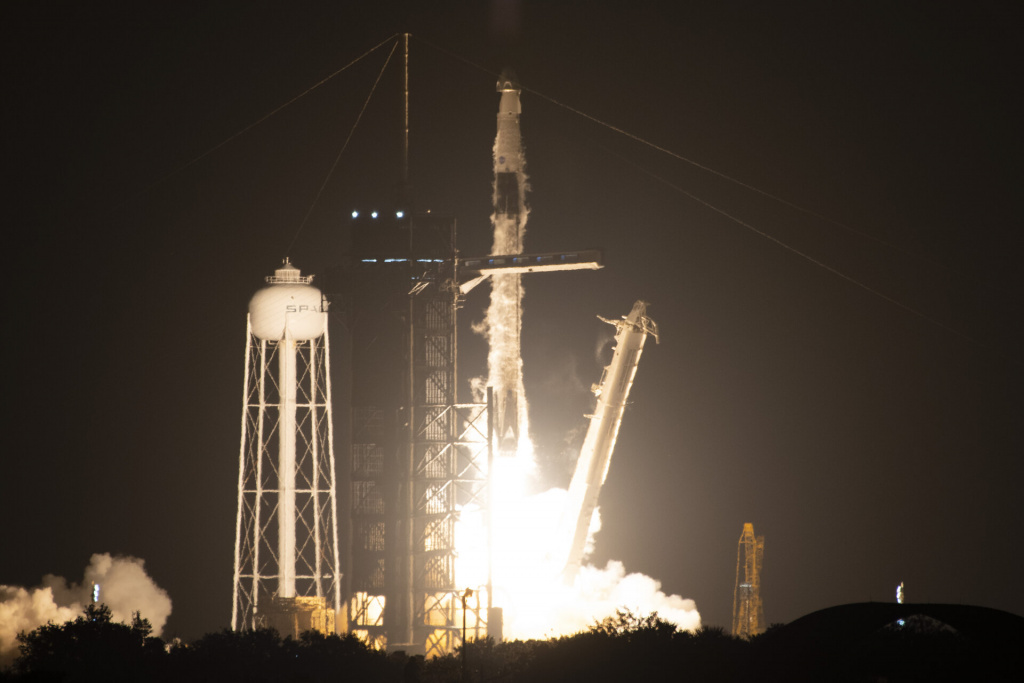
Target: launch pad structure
419, 457
416, 460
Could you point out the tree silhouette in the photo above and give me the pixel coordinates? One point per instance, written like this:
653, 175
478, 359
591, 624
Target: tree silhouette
93, 647
262, 655
623, 647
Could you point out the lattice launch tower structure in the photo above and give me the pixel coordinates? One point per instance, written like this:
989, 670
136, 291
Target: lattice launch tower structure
747, 609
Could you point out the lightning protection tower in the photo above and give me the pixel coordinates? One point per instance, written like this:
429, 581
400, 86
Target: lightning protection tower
747, 610
286, 545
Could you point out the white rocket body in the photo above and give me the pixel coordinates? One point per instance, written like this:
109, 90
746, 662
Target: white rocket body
504, 319
508, 147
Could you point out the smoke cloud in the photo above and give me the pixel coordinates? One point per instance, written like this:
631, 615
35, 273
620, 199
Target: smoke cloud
124, 587
599, 591
528, 582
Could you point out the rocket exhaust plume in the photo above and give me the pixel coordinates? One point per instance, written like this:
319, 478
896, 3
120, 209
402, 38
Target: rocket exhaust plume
126, 589
503, 322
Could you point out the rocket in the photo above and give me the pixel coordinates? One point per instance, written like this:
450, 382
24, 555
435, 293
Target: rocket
504, 315
509, 197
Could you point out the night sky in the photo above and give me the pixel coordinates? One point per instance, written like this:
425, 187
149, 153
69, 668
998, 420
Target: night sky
868, 424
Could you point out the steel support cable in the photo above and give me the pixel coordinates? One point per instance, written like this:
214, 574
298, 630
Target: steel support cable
782, 244
680, 157
348, 139
805, 256
736, 181
265, 117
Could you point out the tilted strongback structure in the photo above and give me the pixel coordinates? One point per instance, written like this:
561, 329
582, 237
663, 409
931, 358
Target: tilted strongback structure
287, 566
747, 609
596, 454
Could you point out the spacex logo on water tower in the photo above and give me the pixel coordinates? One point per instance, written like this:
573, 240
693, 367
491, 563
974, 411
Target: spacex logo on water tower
286, 546
289, 306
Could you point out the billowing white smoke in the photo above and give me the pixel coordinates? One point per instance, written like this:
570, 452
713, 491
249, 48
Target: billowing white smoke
528, 581
124, 587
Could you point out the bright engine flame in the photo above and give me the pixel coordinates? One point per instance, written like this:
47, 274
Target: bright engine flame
527, 579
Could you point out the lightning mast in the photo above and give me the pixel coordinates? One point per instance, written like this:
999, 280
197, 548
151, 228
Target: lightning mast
747, 609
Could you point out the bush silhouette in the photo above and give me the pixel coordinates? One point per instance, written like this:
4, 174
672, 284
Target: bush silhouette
93, 647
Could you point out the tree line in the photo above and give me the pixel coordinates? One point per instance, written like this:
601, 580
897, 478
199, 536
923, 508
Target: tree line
623, 647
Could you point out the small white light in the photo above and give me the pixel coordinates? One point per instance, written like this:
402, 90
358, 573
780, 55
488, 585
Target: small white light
373, 215
355, 214
400, 214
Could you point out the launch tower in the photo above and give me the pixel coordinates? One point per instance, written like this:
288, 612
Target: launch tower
419, 456
418, 473
287, 573
747, 610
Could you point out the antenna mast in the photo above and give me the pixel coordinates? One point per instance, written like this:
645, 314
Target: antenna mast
405, 127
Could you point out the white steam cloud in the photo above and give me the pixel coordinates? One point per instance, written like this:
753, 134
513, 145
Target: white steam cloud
124, 587
537, 602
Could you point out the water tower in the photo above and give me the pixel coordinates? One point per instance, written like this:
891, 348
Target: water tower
287, 572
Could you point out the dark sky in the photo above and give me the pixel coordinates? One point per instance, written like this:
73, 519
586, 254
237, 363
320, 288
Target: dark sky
870, 444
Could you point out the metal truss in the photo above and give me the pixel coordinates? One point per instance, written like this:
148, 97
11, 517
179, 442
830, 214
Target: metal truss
416, 471
257, 571
366, 604
747, 608
448, 469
